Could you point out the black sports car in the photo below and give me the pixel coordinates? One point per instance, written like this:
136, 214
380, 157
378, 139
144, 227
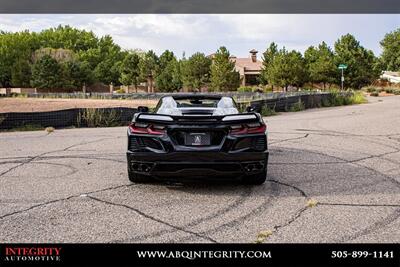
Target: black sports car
196, 136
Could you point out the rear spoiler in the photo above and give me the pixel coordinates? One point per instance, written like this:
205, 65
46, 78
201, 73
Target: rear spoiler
202, 119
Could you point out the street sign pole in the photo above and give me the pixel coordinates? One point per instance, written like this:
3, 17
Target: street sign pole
342, 67
342, 80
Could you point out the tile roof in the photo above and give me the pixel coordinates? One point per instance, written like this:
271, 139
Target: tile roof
248, 64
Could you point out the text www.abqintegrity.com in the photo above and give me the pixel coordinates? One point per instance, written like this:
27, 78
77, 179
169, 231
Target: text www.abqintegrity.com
203, 254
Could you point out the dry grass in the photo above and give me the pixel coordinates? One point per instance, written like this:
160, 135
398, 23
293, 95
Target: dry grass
312, 203
49, 129
263, 235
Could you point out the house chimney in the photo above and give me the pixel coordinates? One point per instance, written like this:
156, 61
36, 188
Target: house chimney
253, 54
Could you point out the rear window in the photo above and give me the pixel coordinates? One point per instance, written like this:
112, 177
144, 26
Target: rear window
198, 103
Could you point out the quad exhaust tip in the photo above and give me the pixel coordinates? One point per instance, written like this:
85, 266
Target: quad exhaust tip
253, 166
141, 167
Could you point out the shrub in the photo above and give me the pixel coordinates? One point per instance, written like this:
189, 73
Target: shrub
326, 102
396, 92
389, 90
267, 111
245, 89
374, 93
298, 106
99, 118
267, 89
358, 98
242, 106
370, 89
120, 91
339, 98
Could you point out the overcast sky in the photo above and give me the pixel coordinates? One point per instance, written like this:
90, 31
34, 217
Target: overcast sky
205, 33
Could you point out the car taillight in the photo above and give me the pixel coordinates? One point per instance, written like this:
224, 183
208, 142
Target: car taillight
142, 128
248, 129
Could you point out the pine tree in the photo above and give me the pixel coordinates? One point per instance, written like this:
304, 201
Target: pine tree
268, 58
224, 77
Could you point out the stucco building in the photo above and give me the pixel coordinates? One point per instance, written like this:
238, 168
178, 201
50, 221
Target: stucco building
249, 68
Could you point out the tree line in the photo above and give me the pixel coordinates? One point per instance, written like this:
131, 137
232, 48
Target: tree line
65, 57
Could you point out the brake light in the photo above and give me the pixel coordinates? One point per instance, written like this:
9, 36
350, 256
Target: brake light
248, 129
141, 128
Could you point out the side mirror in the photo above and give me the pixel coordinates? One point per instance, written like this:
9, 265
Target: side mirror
143, 109
250, 109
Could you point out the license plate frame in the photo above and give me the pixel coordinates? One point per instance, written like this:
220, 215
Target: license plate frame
197, 139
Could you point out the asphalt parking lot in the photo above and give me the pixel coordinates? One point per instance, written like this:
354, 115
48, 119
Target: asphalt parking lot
334, 176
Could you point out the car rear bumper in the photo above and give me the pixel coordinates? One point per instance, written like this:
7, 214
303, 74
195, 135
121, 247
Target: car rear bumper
194, 165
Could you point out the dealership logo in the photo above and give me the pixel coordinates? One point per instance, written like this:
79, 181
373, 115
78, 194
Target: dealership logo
31, 254
197, 139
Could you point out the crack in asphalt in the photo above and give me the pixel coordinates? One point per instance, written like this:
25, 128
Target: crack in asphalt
32, 158
62, 199
340, 162
302, 192
356, 204
297, 215
217, 213
355, 162
392, 217
289, 139
259, 208
262, 207
153, 218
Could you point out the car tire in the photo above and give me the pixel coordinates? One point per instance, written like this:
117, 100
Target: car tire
255, 179
139, 178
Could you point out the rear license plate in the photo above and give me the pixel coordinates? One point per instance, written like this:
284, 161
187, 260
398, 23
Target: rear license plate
197, 139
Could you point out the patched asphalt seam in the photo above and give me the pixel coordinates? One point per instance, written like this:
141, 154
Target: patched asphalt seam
153, 218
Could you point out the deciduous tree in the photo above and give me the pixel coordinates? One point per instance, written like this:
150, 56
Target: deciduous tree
46, 73
130, 71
